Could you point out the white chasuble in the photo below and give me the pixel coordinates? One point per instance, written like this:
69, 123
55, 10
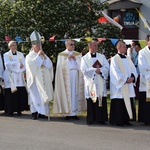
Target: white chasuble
39, 74
69, 91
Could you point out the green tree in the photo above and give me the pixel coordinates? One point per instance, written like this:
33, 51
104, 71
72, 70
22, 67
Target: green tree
65, 19
5, 7
107, 31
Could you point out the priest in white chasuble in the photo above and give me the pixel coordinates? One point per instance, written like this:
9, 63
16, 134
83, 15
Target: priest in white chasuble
16, 98
39, 74
144, 89
69, 86
123, 77
95, 68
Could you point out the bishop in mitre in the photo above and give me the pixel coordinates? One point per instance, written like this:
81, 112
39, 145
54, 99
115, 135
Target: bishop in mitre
39, 74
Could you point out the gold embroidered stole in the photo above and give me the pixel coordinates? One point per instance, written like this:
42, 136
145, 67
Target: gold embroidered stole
92, 85
64, 53
147, 56
125, 88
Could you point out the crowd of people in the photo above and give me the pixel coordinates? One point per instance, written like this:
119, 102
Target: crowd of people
80, 83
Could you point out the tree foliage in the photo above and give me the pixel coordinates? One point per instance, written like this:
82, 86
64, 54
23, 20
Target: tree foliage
65, 19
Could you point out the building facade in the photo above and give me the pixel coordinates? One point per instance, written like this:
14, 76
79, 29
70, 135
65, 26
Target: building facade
127, 15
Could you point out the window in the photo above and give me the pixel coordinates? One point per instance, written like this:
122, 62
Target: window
130, 19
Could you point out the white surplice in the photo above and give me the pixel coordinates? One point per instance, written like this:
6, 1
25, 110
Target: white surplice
118, 78
90, 76
12, 66
144, 68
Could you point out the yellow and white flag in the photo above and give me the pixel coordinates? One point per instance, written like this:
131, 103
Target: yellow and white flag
146, 24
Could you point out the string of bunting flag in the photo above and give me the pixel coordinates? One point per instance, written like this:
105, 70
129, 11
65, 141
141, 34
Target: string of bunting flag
105, 18
52, 39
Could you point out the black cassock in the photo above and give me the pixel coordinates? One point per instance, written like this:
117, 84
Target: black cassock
118, 112
1, 98
143, 109
95, 113
17, 101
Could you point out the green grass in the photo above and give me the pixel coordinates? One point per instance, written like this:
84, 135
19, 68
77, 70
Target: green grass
83, 114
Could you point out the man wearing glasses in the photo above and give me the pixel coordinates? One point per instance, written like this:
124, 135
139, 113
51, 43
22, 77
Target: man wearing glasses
69, 94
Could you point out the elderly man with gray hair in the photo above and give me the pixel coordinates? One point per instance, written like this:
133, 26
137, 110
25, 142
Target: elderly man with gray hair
69, 92
16, 98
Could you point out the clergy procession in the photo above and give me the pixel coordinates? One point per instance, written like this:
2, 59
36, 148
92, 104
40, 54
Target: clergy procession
26, 83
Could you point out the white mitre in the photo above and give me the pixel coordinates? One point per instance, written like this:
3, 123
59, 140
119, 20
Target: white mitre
35, 38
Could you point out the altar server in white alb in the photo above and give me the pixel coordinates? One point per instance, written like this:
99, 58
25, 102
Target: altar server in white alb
16, 98
123, 77
69, 87
144, 94
95, 68
39, 74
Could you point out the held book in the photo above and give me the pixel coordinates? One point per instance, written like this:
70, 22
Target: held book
97, 64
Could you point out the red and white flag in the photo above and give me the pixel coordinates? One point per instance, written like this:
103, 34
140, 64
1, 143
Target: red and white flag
52, 39
112, 21
7, 38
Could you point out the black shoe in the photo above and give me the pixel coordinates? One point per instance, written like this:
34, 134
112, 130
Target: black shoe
128, 124
102, 122
89, 123
19, 114
75, 117
10, 114
120, 124
67, 118
42, 116
146, 124
34, 116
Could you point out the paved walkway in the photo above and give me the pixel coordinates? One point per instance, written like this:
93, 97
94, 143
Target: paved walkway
22, 133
